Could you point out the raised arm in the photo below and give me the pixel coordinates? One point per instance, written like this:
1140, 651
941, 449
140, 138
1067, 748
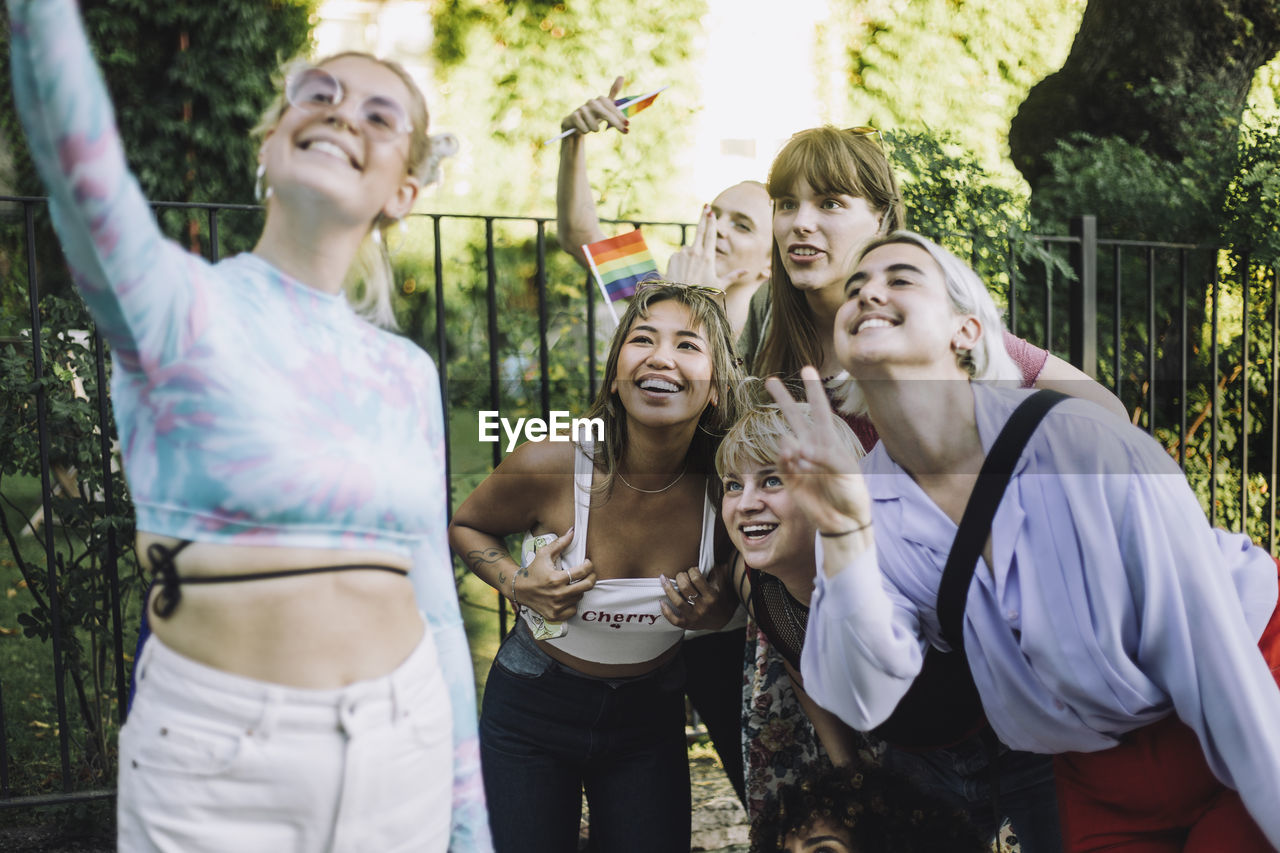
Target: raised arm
577, 222
863, 648
134, 281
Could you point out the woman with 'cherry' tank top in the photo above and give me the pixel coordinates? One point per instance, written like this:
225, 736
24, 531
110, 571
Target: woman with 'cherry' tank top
587, 692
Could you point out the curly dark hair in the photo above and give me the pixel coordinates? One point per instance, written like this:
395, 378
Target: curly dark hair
877, 810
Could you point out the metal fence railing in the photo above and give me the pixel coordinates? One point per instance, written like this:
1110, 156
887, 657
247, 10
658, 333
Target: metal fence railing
1185, 335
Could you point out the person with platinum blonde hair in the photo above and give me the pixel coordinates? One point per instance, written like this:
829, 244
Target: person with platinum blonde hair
987, 361
730, 250
1097, 615
307, 684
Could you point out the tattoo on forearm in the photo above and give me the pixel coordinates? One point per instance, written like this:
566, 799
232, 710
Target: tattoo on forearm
486, 556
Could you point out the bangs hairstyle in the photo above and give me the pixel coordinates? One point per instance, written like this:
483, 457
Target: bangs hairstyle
832, 162
706, 315
757, 438
370, 280
988, 361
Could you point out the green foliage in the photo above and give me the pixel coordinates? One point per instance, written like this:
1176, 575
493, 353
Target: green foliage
1137, 193
507, 72
1224, 448
1251, 211
187, 87
514, 352
79, 527
1130, 191
951, 196
963, 65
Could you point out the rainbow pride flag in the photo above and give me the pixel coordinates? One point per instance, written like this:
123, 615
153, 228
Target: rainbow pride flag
635, 103
619, 264
630, 105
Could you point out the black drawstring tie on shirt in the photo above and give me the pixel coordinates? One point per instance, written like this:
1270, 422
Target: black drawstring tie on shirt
166, 575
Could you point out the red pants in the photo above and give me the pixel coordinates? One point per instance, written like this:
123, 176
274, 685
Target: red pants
1154, 792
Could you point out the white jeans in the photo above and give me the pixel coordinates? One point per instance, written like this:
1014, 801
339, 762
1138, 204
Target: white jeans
211, 761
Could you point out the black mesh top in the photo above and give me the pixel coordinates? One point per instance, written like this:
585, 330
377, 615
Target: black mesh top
781, 617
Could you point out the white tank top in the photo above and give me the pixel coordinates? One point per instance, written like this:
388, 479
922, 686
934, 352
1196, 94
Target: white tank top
619, 620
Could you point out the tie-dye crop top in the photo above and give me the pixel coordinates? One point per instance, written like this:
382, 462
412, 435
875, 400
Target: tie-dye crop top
251, 408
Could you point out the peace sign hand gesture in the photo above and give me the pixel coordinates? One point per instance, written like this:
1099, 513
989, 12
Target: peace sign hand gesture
824, 481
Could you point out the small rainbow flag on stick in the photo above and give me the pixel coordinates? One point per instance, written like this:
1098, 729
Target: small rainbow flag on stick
636, 103
630, 105
619, 264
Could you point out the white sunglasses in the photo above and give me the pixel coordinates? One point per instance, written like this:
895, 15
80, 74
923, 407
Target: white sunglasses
315, 89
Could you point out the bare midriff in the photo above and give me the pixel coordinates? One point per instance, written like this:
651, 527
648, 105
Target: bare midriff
609, 670
318, 631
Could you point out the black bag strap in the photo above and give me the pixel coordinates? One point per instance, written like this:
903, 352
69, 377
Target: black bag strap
975, 524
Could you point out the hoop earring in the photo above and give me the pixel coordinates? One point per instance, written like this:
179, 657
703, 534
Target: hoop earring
261, 192
710, 408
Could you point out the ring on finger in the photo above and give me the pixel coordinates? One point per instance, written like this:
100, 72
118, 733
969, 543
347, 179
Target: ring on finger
569, 572
691, 598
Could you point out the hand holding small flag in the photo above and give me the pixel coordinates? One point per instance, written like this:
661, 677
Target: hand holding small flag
611, 110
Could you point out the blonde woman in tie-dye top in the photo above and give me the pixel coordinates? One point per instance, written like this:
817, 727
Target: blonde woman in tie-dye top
285, 457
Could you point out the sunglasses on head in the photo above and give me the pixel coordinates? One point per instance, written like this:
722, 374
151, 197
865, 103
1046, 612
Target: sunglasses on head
696, 288
314, 89
865, 130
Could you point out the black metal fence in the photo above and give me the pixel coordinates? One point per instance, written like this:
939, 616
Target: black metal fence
1147, 318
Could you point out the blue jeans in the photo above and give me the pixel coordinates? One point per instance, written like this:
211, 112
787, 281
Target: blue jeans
547, 733
960, 775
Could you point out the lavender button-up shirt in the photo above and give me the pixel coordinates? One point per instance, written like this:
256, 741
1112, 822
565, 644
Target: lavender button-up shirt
1111, 604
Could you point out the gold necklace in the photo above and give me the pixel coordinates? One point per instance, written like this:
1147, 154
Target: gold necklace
678, 478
